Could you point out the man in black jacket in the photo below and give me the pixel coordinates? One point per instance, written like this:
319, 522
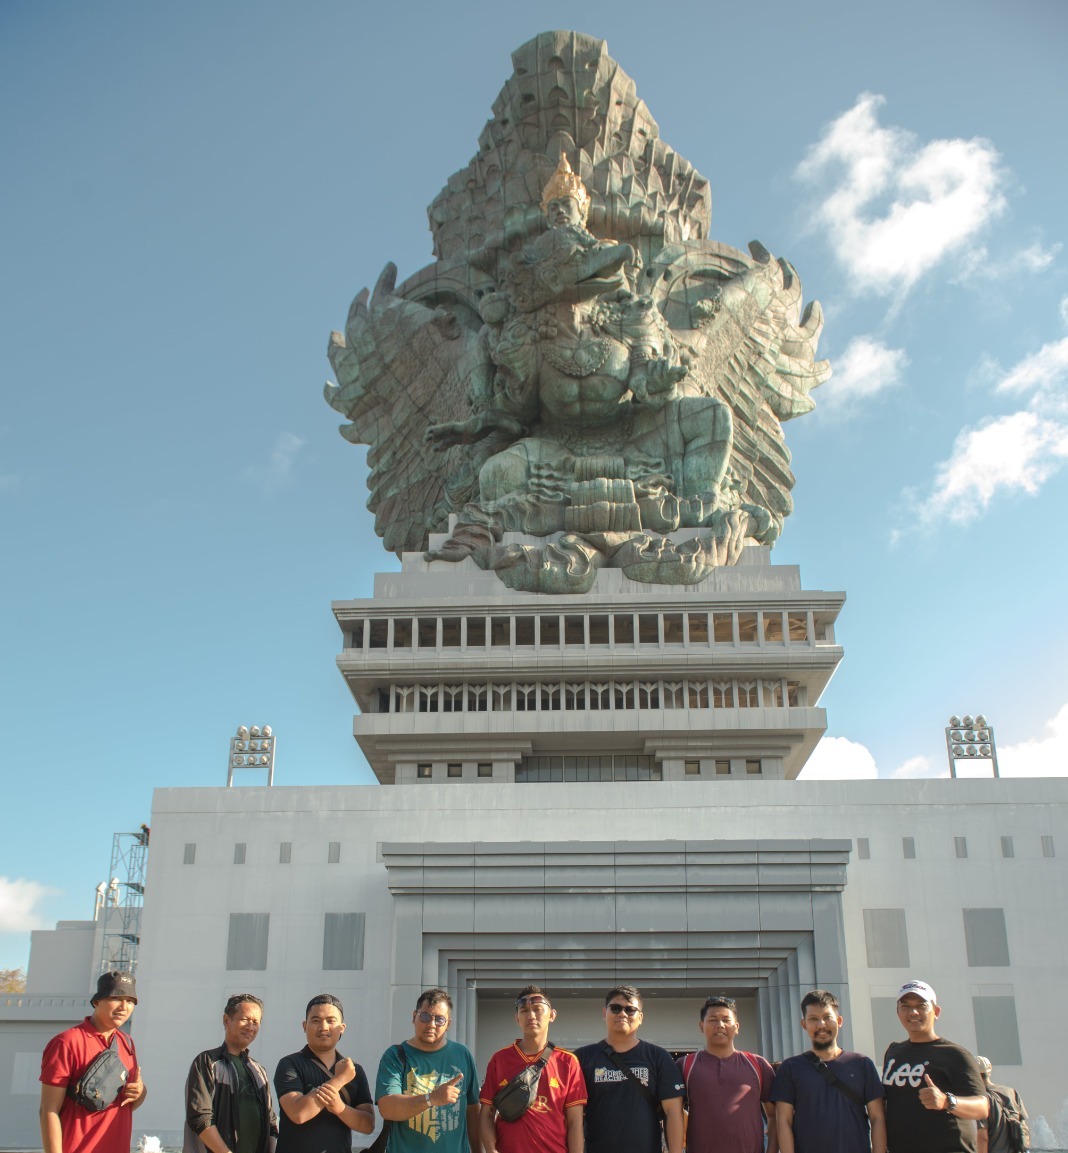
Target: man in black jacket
228, 1105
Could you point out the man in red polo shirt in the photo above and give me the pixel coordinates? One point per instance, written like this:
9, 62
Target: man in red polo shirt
67, 1126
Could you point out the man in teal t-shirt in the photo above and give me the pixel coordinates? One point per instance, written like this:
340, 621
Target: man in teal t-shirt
427, 1088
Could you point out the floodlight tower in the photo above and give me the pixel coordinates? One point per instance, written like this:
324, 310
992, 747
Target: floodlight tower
252, 748
970, 739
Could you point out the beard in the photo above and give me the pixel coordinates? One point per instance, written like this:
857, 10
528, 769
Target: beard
823, 1044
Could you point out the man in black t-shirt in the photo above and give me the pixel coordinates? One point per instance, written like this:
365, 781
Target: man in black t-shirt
323, 1096
623, 1110
934, 1090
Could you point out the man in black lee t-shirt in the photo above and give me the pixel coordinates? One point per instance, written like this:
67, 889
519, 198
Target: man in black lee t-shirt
622, 1116
323, 1096
934, 1090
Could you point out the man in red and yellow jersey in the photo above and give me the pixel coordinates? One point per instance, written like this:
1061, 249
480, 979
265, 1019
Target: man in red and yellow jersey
553, 1123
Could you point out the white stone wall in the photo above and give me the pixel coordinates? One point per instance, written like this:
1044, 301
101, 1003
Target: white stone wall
183, 980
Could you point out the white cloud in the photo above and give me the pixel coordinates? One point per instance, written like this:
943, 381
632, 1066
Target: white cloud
865, 368
1045, 756
1018, 452
839, 759
18, 905
1035, 258
919, 766
1064, 309
1045, 371
276, 471
893, 209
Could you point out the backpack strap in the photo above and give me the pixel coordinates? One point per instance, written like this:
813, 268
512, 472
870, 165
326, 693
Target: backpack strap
378, 1145
751, 1058
687, 1066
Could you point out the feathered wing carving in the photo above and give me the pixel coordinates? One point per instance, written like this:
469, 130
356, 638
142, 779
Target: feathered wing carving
402, 367
458, 374
738, 323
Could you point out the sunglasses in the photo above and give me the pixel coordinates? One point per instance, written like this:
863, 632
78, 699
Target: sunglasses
532, 1003
425, 1018
631, 1010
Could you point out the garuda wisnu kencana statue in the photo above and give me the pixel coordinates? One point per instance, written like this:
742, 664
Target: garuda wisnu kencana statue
581, 378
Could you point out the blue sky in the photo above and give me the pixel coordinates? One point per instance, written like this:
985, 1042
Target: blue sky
192, 195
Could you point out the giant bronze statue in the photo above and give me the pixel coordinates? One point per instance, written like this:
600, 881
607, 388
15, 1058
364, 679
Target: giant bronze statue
582, 378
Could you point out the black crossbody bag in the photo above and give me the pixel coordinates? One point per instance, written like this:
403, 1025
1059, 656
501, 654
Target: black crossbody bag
515, 1098
824, 1071
101, 1080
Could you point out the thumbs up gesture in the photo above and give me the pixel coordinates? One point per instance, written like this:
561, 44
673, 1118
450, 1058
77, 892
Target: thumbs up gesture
133, 1089
931, 1097
447, 1092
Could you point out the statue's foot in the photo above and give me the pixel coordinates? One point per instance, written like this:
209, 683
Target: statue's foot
660, 513
699, 511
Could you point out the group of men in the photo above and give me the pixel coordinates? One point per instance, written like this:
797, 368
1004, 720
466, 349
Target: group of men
619, 1095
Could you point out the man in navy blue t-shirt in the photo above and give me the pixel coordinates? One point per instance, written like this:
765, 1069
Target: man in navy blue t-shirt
828, 1100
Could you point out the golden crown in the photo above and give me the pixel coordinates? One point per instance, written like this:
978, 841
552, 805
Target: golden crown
564, 182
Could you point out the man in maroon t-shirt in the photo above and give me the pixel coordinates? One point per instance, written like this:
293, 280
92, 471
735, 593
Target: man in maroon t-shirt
727, 1089
66, 1126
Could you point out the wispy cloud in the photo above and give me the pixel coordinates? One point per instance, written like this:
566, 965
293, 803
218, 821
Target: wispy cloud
919, 767
1042, 756
1017, 452
893, 208
276, 472
1014, 453
1035, 258
1045, 372
866, 368
19, 899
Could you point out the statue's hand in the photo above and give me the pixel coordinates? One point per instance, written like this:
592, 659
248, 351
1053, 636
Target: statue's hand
659, 382
443, 436
472, 430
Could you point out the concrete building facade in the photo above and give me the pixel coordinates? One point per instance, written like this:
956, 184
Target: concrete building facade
579, 791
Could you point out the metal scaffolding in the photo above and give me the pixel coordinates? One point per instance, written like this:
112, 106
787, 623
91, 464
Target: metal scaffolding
120, 901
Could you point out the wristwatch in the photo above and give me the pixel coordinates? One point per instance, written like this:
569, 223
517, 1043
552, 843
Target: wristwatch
430, 1104
951, 1102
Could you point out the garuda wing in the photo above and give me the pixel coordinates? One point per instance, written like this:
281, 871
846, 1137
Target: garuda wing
402, 367
738, 323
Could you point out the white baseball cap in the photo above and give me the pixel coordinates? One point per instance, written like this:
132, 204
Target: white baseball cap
920, 988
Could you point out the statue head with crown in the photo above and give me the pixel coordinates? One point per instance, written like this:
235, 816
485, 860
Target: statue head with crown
564, 199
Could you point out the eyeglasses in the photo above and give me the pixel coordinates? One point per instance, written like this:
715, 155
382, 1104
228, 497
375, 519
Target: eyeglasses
719, 999
425, 1018
631, 1010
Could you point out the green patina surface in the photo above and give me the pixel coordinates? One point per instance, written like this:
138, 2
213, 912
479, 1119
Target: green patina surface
581, 363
